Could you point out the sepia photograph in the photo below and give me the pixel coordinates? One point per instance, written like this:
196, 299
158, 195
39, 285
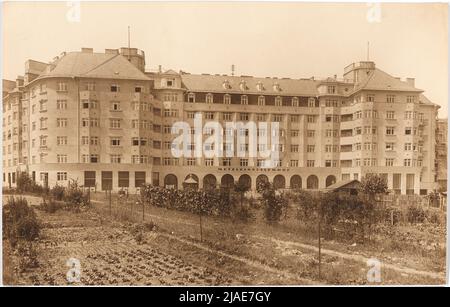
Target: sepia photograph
205, 146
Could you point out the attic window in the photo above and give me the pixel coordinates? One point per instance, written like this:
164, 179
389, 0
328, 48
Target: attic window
242, 85
259, 86
138, 89
276, 87
169, 83
114, 88
226, 85
191, 97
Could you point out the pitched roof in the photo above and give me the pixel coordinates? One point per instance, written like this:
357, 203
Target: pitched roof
343, 184
94, 65
380, 80
424, 100
215, 83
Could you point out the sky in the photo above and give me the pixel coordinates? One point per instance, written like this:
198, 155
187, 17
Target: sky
263, 39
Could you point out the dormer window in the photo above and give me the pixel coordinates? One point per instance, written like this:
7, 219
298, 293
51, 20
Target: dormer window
191, 97
209, 98
278, 101
259, 86
276, 87
138, 89
295, 102
331, 89
244, 99
242, 85
226, 85
261, 100
227, 99
170, 83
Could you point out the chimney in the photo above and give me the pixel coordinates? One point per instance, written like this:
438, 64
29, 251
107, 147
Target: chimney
159, 68
87, 50
411, 81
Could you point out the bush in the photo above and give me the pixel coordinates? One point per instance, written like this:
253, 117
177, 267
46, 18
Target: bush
57, 192
75, 197
26, 184
19, 221
51, 206
415, 214
273, 204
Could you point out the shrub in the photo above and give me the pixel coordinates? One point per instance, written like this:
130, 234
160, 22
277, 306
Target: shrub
51, 206
26, 184
415, 214
57, 192
19, 221
75, 196
273, 204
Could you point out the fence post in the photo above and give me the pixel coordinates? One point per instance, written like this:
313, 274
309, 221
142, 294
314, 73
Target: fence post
110, 209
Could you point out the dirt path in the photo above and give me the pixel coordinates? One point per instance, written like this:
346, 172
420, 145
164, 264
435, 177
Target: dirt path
358, 258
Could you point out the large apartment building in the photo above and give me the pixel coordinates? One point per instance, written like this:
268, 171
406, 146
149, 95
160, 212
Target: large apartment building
441, 153
101, 119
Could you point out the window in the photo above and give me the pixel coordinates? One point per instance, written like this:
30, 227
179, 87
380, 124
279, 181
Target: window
115, 141
295, 133
89, 86
170, 113
390, 146
114, 88
311, 102
244, 116
115, 106
209, 162
390, 98
209, 115
226, 161
408, 146
94, 140
190, 161
190, 115
170, 82
295, 118
94, 159
61, 140
408, 131
114, 123
311, 119
278, 101
209, 98
293, 163
294, 148
61, 104
227, 116
43, 122
61, 158
116, 158
331, 103
410, 99
226, 99
407, 162
389, 162
43, 105
124, 179
61, 176
243, 162
277, 118
311, 133
61, 122
261, 100
310, 163
191, 97
62, 87
390, 115
370, 98
331, 89
390, 130
295, 101
310, 148
138, 89
244, 99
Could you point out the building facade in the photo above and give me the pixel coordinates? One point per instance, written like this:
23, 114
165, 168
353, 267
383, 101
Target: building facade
441, 153
101, 119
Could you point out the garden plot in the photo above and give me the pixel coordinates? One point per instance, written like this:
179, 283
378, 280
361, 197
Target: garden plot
108, 255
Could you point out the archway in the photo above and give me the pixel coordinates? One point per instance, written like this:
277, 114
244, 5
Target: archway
312, 183
330, 180
209, 182
171, 181
227, 181
246, 181
279, 182
296, 182
191, 182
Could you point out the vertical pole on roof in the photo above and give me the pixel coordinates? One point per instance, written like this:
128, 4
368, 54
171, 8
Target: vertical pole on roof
129, 52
